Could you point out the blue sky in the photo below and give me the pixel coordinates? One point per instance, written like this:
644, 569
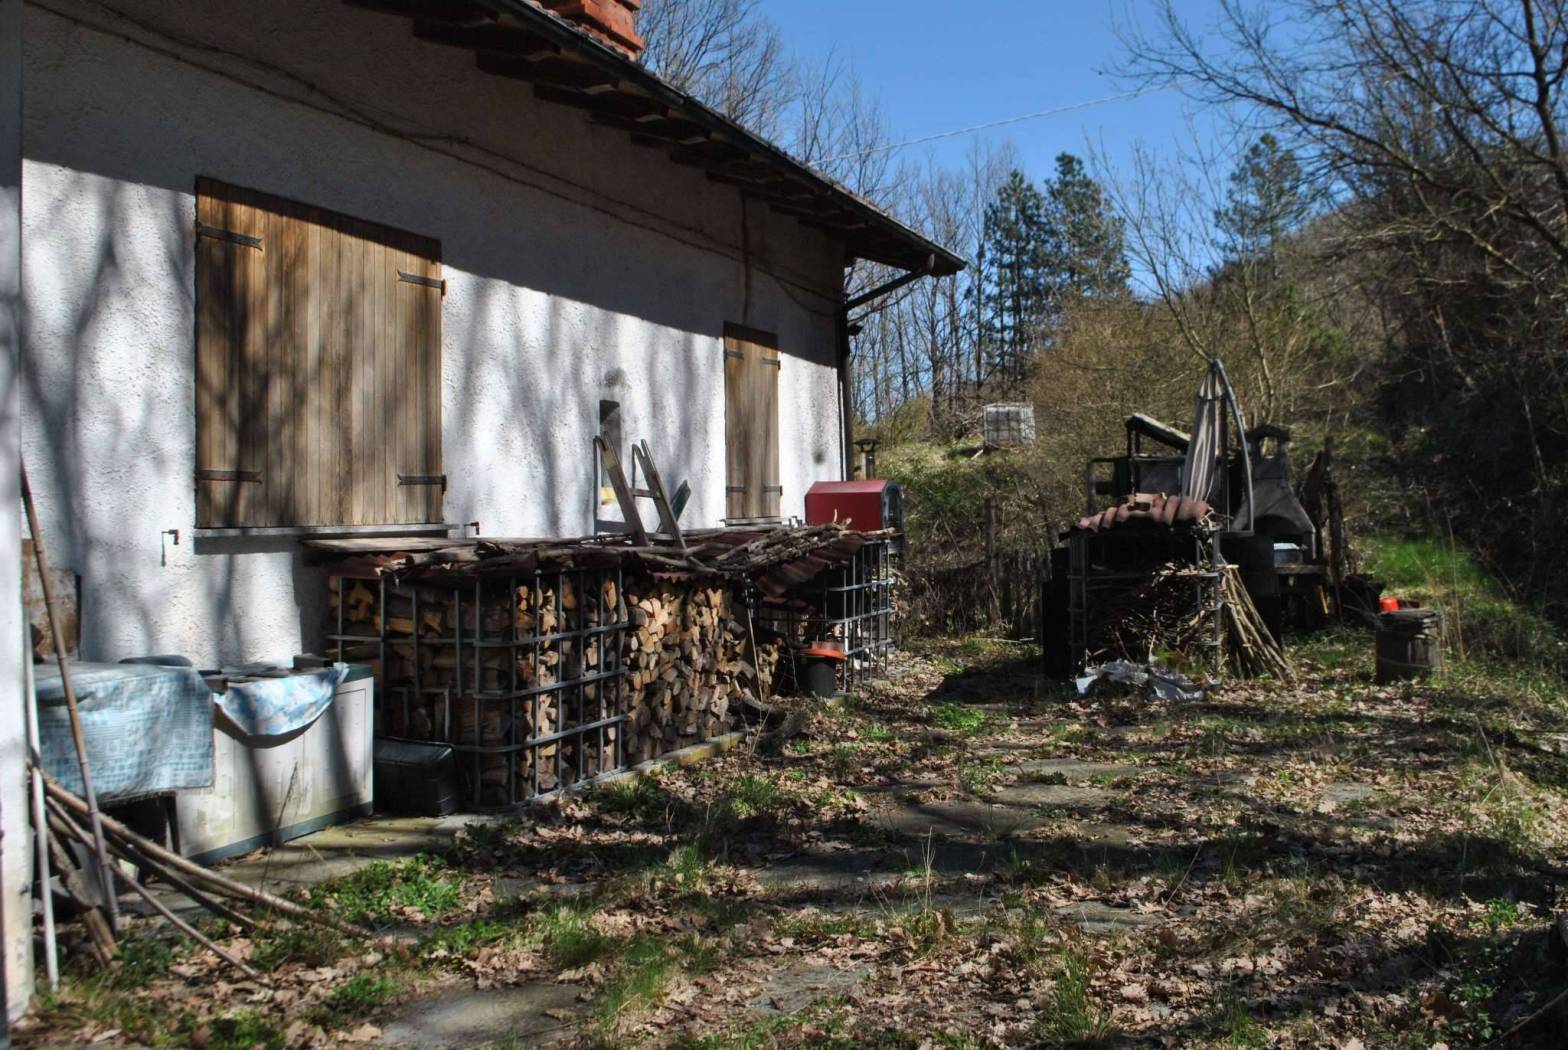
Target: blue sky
938, 65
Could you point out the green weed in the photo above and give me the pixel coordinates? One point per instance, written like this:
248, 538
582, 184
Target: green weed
566, 934
142, 959
243, 1030
383, 890
468, 937
1072, 1017
644, 972
1233, 1025
309, 945
1501, 914
754, 795
357, 998
958, 719
810, 926
641, 798
980, 779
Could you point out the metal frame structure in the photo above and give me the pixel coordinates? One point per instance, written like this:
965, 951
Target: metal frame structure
586, 739
1092, 584
851, 604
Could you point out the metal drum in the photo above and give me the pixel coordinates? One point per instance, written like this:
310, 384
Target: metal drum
1409, 645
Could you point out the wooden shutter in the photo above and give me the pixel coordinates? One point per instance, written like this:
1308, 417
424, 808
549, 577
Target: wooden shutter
318, 366
751, 415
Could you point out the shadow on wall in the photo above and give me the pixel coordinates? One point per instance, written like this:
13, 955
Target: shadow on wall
519, 228
73, 408
552, 298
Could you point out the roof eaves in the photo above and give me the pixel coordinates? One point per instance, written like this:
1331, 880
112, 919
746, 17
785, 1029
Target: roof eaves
569, 37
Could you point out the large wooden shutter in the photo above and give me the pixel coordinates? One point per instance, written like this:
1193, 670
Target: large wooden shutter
751, 416
318, 367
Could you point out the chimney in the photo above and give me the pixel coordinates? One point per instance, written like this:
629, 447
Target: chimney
612, 22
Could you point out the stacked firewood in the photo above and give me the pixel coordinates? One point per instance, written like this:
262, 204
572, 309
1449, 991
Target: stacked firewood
688, 657
692, 658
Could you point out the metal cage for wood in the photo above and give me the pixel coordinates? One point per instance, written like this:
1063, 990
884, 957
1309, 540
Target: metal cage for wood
1108, 579
852, 605
521, 674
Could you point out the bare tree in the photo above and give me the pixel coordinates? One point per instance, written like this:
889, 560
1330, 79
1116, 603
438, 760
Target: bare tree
1437, 127
725, 53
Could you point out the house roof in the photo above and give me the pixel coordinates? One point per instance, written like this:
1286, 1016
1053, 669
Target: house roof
514, 38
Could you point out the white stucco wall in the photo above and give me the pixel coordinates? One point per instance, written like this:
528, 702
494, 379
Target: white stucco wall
16, 858
579, 267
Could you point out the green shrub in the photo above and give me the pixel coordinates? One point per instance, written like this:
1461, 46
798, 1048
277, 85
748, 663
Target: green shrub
1481, 619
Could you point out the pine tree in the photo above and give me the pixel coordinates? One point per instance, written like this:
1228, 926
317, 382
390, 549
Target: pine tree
1263, 203
1017, 272
1088, 238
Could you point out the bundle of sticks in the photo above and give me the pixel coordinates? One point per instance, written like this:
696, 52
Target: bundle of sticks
1170, 612
1250, 646
67, 825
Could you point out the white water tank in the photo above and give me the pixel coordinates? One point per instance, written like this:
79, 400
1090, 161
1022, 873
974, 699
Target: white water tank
1009, 424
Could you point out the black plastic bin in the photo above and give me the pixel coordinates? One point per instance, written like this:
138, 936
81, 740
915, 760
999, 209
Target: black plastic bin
415, 779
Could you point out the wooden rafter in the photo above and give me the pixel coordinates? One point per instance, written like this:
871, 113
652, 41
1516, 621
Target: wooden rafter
515, 40
497, 39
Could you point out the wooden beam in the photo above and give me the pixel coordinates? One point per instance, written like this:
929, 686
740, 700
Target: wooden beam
708, 155
561, 72
452, 12
777, 189
501, 40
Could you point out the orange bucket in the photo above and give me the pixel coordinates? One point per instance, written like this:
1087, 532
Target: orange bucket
1388, 604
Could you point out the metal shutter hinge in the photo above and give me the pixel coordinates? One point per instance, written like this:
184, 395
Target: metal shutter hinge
206, 474
218, 234
423, 281
423, 479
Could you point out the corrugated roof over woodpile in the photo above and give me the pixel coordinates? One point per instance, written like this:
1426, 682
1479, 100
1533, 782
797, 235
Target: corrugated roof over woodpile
1148, 510
515, 38
774, 559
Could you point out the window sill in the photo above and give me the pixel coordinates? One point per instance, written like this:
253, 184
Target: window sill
321, 531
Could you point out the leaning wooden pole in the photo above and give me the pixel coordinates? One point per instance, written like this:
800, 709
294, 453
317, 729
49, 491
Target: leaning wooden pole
105, 876
195, 873
40, 825
64, 826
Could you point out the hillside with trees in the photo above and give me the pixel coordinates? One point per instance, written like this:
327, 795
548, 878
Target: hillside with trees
1382, 260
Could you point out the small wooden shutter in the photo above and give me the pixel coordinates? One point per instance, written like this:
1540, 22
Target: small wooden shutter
751, 411
318, 366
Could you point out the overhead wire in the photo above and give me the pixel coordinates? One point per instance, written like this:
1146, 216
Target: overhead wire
1004, 122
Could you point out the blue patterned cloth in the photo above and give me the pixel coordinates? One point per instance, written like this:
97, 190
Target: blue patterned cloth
278, 706
148, 729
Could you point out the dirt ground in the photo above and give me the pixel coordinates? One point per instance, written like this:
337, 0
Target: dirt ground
963, 856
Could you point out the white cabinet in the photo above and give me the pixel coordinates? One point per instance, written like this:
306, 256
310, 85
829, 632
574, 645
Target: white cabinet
268, 790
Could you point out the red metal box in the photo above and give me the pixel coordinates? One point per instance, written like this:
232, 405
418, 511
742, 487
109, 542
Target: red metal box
868, 506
